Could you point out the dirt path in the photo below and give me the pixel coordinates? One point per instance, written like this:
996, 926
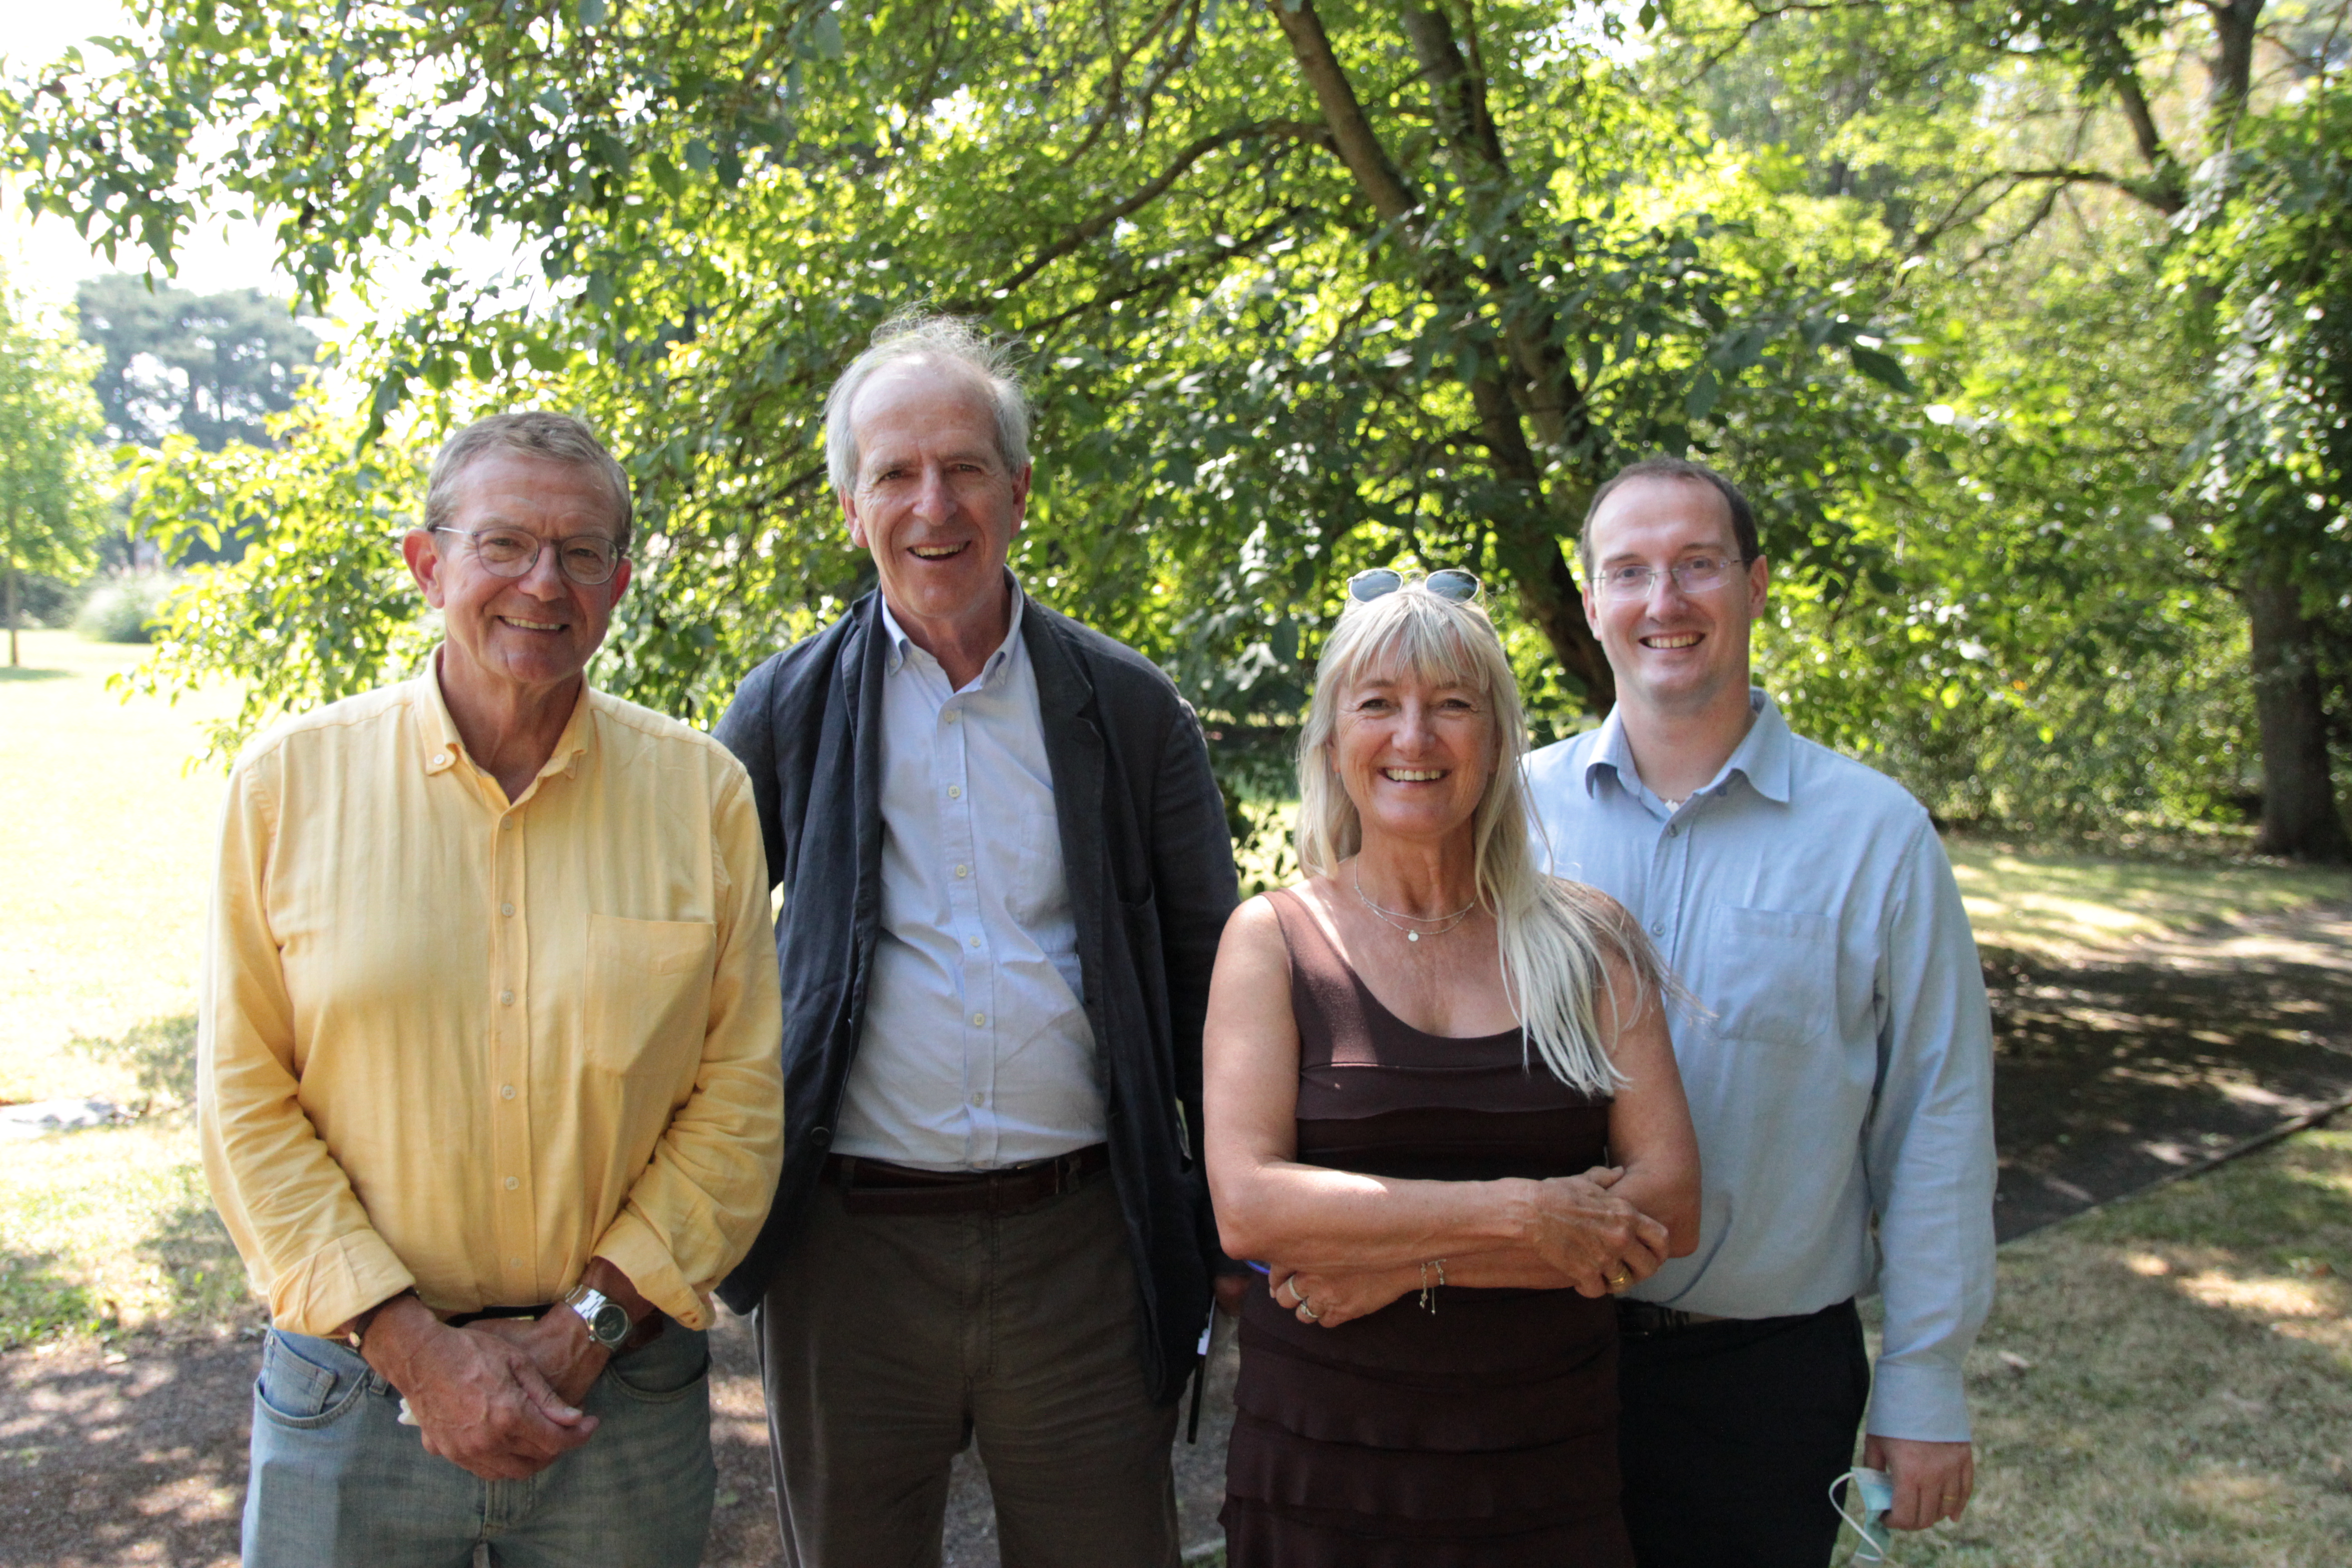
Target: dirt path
2116, 1068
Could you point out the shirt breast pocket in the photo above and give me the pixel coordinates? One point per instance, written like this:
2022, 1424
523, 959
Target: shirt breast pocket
648, 985
1771, 975
1039, 893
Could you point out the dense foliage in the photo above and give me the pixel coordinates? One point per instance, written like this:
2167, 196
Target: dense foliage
52, 478
1305, 285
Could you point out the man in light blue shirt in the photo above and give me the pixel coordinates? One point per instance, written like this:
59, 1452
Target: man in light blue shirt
1838, 1060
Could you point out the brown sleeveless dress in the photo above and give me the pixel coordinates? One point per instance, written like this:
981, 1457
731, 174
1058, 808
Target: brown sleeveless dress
1483, 1436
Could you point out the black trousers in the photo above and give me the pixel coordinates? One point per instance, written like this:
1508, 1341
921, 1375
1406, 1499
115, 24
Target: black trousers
1730, 1434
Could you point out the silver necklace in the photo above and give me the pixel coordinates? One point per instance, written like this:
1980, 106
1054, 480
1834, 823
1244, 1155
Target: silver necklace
1395, 919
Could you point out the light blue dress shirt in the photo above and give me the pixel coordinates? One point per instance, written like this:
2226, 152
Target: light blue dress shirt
976, 1052
1841, 1070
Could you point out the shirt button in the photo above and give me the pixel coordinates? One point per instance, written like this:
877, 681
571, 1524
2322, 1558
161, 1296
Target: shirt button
506, 998
1658, 929
955, 792
975, 942
514, 1262
963, 870
979, 1100
512, 1183
980, 1020
1673, 828
505, 825
954, 714
506, 909
506, 1092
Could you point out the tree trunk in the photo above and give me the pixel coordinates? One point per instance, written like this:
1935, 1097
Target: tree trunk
2299, 814
1527, 546
12, 615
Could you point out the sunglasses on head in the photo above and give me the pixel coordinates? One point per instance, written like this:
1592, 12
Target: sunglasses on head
1448, 582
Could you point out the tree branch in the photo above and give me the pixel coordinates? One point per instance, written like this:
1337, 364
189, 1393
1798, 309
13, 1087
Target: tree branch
1152, 190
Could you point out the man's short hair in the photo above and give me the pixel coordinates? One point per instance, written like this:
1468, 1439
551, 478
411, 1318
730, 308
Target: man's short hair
1743, 516
557, 436
925, 335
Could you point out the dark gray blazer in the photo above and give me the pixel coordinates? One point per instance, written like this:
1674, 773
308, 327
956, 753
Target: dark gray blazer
1150, 871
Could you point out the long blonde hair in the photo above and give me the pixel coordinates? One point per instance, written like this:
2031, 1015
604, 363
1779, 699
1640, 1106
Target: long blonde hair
1557, 938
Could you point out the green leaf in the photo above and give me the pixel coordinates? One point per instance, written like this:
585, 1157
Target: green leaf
1883, 368
591, 13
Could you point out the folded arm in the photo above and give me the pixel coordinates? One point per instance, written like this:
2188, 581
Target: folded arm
1570, 1232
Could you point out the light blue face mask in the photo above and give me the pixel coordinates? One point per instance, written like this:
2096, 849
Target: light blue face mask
1873, 1493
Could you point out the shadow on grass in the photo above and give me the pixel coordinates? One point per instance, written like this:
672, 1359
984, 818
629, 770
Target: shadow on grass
129, 1448
2109, 1076
160, 1054
2164, 1382
14, 672
37, 1301
206, 1278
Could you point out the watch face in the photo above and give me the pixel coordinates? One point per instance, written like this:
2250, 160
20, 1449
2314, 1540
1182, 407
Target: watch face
611, 1325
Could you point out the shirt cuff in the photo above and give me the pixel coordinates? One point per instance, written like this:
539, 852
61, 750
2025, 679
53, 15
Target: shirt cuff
336, 1284
630, 1246
1924, 1404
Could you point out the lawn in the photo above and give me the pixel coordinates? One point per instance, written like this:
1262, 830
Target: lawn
2168, 1380
104, 842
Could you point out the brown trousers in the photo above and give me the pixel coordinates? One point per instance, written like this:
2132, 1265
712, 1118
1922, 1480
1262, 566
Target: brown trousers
887, 1343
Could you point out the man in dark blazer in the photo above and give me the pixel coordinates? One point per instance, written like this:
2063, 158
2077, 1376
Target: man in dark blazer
1005, 869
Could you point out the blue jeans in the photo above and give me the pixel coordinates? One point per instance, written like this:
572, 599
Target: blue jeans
337, 1480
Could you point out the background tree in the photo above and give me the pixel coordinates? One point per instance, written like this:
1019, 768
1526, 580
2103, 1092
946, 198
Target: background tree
52, 494
214, 366
1305, 285
2036, 173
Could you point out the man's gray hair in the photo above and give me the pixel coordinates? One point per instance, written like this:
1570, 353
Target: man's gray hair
557, 436
949, 340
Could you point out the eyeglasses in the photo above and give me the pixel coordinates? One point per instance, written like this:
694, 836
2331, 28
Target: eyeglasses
1697, 574
1448, 582
587, 559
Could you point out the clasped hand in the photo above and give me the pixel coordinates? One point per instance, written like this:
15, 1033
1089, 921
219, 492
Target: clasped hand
1599, 1243
1577, 1234
501, 1397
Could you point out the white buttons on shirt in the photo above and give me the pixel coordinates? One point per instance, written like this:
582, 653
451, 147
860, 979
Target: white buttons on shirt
506, 998
979, 1100
975, 942
506, 909
514, 1262
506, 1092
963, 870
1659, 929
512, 1183
954, 714
955, 792
980, 1020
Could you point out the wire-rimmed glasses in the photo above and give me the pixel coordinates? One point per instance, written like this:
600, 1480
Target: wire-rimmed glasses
587, 559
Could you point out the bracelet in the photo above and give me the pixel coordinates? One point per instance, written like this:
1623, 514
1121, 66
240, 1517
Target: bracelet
1428, 1290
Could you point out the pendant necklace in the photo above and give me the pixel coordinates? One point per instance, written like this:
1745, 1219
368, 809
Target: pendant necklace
1396, 918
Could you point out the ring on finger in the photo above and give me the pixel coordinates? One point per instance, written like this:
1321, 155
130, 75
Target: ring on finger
1310, 1314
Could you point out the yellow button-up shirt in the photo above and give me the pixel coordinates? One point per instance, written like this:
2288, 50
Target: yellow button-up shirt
465, 1044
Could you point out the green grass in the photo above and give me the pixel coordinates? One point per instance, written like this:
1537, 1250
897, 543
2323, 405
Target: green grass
2169, 1381
104, 846
2059, 905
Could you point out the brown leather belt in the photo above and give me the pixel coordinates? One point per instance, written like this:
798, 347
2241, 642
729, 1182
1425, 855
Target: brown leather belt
876, 1186
647, 1330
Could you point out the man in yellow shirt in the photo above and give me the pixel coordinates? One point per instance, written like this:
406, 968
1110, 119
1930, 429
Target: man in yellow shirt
488, 1081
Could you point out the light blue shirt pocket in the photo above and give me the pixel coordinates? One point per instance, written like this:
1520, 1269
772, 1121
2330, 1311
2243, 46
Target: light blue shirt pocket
1771, 975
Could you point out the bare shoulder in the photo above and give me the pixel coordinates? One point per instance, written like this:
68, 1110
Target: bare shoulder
1591, 900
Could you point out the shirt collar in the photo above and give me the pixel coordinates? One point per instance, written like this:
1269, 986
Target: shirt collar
1762, 756
443, 747
899, 642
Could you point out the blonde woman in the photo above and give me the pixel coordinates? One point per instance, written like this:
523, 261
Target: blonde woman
1443, 1115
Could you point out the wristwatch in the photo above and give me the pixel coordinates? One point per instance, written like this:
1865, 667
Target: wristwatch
607, 1319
